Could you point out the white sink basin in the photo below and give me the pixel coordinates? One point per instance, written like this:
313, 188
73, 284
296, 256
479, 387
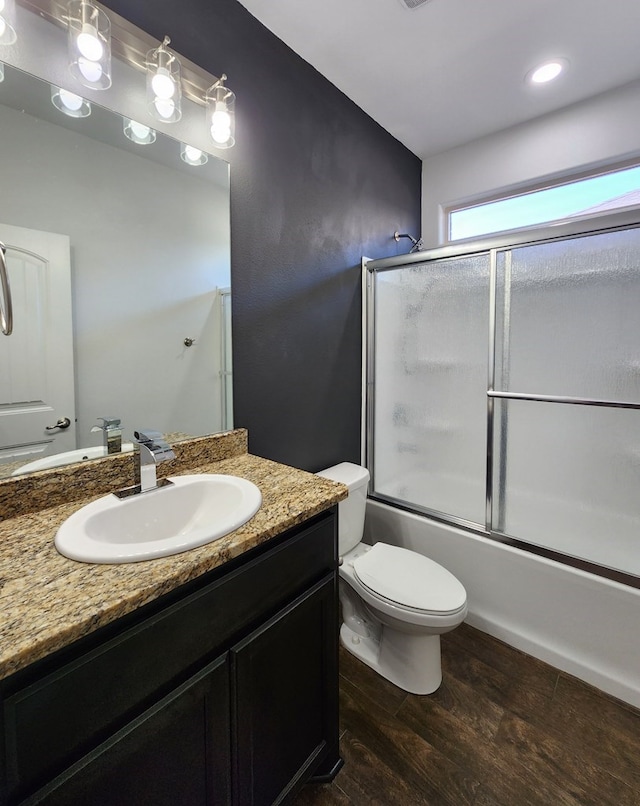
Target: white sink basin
78, 455
192, 511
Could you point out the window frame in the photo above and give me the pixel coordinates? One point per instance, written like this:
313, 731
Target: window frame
530, 188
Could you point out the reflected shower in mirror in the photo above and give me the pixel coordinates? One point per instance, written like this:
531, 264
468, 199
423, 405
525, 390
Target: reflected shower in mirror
118, 262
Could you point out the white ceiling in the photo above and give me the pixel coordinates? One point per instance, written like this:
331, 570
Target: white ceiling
451, 71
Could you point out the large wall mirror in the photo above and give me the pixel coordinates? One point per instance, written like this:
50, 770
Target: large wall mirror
118, 262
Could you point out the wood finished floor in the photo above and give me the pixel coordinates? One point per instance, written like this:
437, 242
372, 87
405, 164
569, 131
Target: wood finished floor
504, 729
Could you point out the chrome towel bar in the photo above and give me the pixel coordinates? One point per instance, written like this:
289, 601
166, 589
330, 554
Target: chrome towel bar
6, 310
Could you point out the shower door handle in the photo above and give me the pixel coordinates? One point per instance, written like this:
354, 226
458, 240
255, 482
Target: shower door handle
6, 310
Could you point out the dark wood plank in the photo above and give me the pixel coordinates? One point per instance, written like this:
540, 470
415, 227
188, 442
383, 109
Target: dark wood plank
552, 760
448, 732
532, 680
467, 739
381, 691
504, 729
450, 716
404, 751
486, 798
508, 685
597, 727
497, 653
322, 795
369, 781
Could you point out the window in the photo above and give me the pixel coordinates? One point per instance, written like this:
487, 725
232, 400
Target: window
586, 197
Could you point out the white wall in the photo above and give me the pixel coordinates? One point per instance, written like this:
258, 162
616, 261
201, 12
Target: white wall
592, 133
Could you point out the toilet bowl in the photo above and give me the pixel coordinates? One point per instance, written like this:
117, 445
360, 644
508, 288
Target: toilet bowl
395, 603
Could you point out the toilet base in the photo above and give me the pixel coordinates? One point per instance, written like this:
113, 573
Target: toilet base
411, 662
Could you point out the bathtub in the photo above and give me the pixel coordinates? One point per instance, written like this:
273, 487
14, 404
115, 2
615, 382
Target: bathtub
580, 623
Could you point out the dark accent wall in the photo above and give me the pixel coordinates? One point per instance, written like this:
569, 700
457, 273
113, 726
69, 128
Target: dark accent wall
315, 184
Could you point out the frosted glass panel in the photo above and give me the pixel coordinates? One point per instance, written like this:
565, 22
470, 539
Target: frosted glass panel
570, 480
429, 444
569, 318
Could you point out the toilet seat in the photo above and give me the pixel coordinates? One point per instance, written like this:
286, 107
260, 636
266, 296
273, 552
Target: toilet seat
409, 581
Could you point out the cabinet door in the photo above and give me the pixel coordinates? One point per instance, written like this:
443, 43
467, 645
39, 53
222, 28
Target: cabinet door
285, 698
177, 752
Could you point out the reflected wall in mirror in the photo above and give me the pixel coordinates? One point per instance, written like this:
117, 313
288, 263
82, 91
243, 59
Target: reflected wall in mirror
118, 259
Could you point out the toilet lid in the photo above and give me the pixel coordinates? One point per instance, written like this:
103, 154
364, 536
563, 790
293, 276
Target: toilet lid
409, 579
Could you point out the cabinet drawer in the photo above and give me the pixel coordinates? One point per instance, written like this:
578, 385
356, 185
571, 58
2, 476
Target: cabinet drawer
51, 723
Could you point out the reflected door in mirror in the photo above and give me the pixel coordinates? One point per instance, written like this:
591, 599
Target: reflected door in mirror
36, 360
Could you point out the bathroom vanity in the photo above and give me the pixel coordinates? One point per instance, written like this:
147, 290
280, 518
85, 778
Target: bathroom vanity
209, 677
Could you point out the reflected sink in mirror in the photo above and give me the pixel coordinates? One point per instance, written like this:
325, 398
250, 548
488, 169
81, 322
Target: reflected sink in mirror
60, 459
190, 512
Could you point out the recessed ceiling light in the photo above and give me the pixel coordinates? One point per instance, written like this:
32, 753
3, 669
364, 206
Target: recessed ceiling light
546, 72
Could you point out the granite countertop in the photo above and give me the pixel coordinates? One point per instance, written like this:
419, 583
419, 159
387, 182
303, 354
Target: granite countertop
48, 601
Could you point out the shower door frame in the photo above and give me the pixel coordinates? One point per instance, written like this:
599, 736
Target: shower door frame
492, 247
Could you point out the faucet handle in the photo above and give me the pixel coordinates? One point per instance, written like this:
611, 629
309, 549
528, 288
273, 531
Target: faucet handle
155, 442
107, 423
148, 435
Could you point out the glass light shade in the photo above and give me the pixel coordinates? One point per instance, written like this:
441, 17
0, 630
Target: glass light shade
89, 43
164, 87
221, 117
192, 155
138, 132
7, 22
69, 103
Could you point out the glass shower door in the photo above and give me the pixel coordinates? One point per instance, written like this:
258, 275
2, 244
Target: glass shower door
428, 446
566, 467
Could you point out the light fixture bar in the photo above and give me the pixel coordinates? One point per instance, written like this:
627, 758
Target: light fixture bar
129, 44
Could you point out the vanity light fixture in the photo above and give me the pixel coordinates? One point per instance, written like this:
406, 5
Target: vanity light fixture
93, 32
89, 41
192, 155
7, 20
69, 103
164, 89
138, 132
221, 113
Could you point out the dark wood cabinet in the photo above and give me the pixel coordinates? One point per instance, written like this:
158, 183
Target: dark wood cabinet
278, 672
177, 752
222, 692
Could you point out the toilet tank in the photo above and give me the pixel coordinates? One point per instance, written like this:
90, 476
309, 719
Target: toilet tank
351, 510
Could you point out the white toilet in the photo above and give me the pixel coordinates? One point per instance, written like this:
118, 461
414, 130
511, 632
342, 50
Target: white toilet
395, 603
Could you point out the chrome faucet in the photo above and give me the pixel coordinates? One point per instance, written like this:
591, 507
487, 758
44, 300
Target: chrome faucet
151, 449
111, 434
